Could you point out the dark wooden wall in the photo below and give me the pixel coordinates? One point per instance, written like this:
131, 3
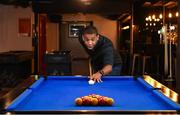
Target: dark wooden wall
79, 56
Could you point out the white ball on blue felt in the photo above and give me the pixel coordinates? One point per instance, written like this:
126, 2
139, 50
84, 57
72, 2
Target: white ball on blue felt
91, 82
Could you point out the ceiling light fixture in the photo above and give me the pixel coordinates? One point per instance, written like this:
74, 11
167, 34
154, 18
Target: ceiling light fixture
86, 2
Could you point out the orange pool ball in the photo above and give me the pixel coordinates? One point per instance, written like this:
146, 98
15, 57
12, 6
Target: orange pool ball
110, 101
94, 101
78, 101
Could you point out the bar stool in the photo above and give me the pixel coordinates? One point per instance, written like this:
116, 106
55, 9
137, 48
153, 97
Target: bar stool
135, 57
150, 58
151, 53
138, 53
144, 63
144, 60
145, 53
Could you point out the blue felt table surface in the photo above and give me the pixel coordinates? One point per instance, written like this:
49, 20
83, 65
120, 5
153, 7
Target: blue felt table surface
59, 93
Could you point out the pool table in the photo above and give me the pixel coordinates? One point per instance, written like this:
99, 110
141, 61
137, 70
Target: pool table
56, 94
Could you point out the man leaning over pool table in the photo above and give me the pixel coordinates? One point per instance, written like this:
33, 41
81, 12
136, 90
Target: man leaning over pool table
104, 59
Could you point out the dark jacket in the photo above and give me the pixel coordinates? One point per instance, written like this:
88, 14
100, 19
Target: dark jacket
103, 53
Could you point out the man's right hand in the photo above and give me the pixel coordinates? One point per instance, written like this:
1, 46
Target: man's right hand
96, 77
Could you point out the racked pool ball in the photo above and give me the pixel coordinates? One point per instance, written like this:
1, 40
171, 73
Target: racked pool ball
101, 101
78, 101
110, 101
86, 100
94, 101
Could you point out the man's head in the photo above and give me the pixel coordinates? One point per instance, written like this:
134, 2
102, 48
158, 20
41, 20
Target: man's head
90, 37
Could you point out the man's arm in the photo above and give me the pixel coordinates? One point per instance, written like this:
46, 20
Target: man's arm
106, 70
107, 58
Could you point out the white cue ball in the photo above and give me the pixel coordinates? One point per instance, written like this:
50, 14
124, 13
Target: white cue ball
91, 82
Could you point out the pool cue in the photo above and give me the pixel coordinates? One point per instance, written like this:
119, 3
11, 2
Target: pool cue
90, 68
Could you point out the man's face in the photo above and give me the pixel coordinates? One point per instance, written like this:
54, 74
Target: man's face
90, 40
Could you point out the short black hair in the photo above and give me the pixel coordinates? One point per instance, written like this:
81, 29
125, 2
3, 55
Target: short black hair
90, 30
